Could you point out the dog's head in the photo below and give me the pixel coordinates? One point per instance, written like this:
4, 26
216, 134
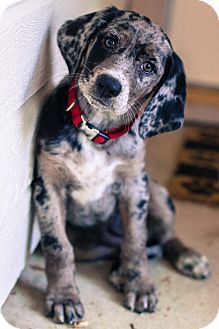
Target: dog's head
122, 60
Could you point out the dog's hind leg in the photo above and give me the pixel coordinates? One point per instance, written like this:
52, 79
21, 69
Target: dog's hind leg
161, 222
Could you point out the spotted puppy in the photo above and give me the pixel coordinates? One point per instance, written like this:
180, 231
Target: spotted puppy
90, 159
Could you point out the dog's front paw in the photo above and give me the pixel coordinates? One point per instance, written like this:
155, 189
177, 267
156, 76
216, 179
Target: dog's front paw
194, 265
143, 298
140, 294
64, 306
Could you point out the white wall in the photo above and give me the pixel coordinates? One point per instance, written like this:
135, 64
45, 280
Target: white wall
193, 28
194, 32
29, 58
155, 10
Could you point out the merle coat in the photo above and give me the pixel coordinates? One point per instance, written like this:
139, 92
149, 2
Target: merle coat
124, 67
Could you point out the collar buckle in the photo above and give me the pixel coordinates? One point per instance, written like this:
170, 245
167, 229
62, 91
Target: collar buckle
89, 131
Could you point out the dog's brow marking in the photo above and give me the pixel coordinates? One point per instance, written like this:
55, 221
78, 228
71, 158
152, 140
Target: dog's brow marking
114, 30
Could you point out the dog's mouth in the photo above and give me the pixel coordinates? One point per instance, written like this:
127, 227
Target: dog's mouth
102, 103
100, 100
105, 105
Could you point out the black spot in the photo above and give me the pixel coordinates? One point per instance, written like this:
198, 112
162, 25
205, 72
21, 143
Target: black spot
121, 50
179, 85
146, 19
125, 26
71, 136
145, 178
97, 54
37, 149
134, 16
55, 124
110, 13
137, 51
42, 196
116, 265
160, 98
50, 241
132, 133
78, 24
141, 209
131, 275
170, 111
170, 204
188, 267
141, 204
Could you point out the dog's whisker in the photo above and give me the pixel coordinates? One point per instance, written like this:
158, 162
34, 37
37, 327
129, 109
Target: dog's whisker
96, 65
140, 107
87, 68
63, 76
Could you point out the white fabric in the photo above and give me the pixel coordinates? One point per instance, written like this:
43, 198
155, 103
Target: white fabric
5, 4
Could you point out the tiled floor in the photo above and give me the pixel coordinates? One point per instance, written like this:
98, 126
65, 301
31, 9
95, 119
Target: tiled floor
184, 303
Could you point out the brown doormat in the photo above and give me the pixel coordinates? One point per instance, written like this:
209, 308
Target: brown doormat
197, 174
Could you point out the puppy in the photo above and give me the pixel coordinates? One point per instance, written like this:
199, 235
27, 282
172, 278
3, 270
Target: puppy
90, 159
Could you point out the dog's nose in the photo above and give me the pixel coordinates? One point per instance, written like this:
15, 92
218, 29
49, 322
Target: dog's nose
108, 86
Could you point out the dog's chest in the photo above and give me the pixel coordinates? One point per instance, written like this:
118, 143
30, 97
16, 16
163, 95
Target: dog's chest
94, 174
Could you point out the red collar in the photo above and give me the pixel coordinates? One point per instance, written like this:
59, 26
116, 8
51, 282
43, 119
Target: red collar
92, 133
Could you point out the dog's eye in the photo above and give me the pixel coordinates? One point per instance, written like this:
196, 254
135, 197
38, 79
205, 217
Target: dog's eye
110, 42
147, 67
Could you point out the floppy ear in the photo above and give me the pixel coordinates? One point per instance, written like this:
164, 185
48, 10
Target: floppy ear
165, 110
75, 36
71, 39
